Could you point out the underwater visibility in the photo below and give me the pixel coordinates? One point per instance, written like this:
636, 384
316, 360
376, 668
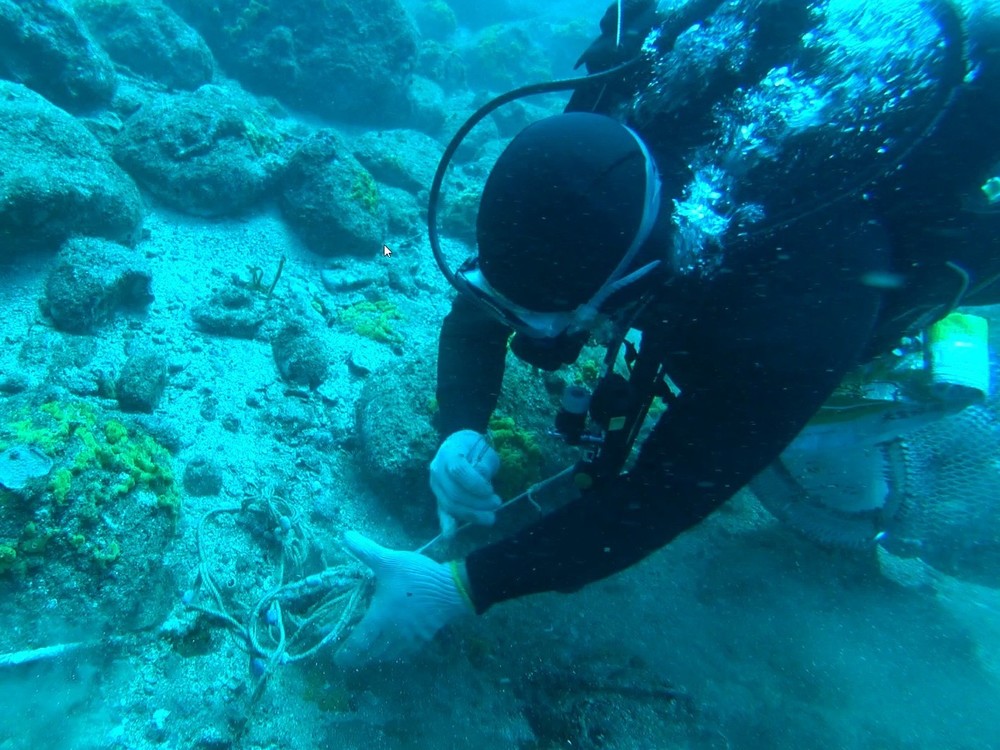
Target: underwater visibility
403, 374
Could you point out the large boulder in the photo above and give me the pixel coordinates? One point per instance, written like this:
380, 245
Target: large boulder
341, 58
43, 46
330, 200
94, 280
397, 439
55, 179
211, 152
442, 63
505, 56
150, 40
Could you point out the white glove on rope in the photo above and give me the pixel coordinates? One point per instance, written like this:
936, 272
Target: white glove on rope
461, 475
414, 598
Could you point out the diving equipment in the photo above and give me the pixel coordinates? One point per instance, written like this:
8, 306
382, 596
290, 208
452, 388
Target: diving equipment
846, 479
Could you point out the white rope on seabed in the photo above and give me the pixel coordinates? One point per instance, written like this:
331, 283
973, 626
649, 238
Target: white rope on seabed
272, 632
342, 590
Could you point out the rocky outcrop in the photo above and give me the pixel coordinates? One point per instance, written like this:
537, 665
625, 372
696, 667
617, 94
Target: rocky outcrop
43, 46
342, 59
212, 152
56, 181
150, 40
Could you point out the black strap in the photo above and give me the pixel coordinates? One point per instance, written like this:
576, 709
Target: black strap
645, 383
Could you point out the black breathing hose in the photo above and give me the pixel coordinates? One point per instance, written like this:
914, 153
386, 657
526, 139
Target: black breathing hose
567, 84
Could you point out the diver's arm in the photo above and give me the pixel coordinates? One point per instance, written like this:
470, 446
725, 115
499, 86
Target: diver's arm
471, 354
763, 358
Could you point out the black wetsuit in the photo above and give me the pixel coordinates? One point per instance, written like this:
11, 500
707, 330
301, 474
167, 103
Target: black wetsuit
759, 345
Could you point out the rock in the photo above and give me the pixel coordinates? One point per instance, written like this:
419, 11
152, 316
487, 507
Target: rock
459, 109
427, 105
158, 724
405, 159
458, 211
202, 478
476, 13
132, 93
442, 64
43, 46
347, 60
406, 216
12, 383
331, 200
150, 40
92, 280
367, 357
301, 356
436, 20
212, 152
512, 118
403, 281
233, 311
213, 738
105, 127
162, 430
56, 180
141, 382
505, 56
341, 276
396, 439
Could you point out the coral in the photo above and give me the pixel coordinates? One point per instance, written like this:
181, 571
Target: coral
106, 555
247, 17
33, 542
137, 461
521, 460
60, 484
99, 462
115, 432
8, 558
53, 435
586, 372
365, 191
257, 278
373, 320
262, 138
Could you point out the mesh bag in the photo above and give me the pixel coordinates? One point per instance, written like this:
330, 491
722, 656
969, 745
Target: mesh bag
950, 510
938, 490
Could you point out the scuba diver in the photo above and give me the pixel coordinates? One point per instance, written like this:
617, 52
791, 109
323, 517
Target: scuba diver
772, 194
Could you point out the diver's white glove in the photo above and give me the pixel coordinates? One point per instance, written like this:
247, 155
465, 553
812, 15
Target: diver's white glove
461, 475
414, 598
